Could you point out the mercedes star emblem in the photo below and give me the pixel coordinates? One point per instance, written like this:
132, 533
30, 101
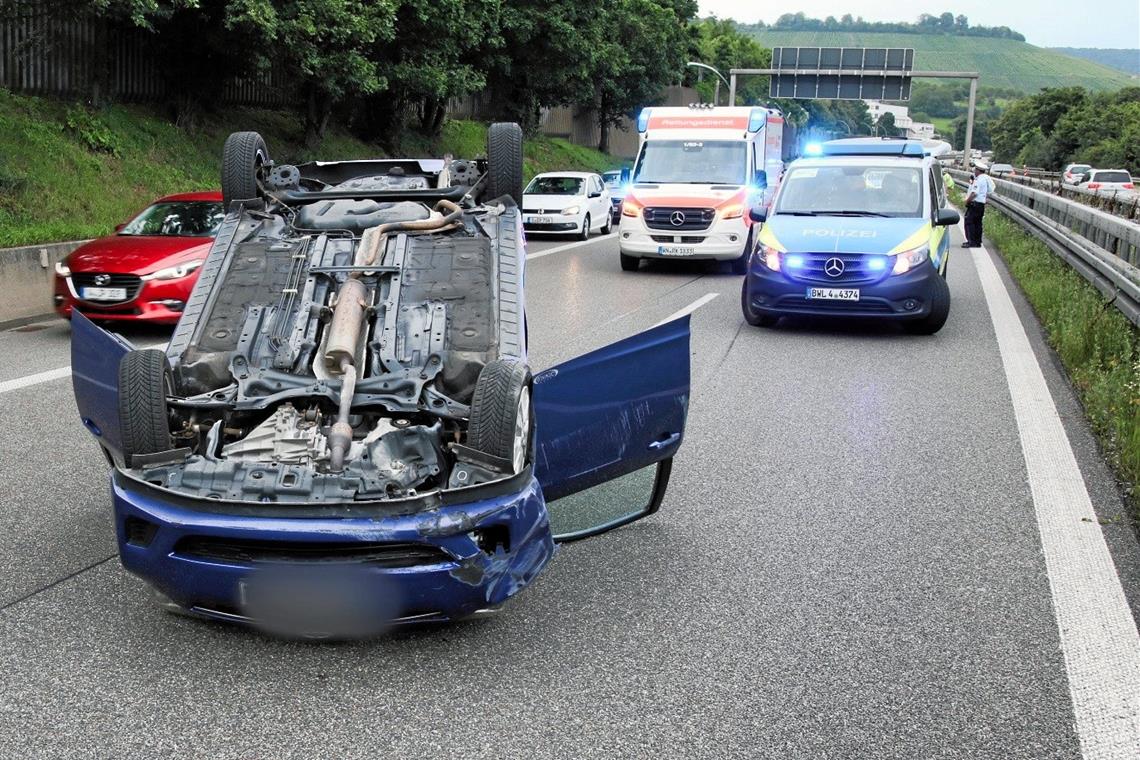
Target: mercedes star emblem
102, 279
833, 267
677, 218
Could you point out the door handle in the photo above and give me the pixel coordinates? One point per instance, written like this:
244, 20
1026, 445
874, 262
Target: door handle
665, 442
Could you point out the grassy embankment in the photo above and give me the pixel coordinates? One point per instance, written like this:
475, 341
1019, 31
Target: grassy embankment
68, 173
1098, 346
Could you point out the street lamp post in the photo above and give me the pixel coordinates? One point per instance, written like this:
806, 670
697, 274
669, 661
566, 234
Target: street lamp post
719, 76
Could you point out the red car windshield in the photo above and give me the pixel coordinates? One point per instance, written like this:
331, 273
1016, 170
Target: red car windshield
178, 219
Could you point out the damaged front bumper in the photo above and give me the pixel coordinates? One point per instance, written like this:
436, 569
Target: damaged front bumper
446, 562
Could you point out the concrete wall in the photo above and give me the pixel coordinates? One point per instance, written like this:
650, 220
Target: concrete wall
26, 279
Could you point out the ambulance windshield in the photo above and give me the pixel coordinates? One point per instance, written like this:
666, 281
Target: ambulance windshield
693, 162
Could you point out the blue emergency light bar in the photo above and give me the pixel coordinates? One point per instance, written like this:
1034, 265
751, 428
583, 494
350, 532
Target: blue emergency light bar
873, 146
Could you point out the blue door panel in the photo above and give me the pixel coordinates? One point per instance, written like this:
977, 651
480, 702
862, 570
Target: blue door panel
95, 356
612, 411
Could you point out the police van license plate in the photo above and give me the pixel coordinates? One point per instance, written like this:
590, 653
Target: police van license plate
833, 294
676, 250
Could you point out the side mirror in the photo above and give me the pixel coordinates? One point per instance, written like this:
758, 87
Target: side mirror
946, 217
596, 194
760, 179
758, 213
119, 227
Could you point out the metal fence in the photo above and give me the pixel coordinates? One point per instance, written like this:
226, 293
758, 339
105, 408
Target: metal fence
80, 55
1101, 247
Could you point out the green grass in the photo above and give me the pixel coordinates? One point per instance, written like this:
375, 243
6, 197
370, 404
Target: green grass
1001, 63
1098, 346
67, 173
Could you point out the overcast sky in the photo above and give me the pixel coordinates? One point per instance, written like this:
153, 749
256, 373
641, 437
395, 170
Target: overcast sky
1046, 23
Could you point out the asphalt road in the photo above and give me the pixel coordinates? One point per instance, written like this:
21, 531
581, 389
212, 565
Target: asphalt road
847, 565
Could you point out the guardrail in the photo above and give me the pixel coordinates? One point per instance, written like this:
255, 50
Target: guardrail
27, 276
1102, 248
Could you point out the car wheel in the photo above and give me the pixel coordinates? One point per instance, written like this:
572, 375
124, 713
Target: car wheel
939, 311
501, 414
740, 264
504, 162
585, 233
609, 225
145, 381
751, 316
629, 263
242, 158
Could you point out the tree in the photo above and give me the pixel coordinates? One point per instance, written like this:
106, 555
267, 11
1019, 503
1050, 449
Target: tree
885, 126
321, 47
642, 50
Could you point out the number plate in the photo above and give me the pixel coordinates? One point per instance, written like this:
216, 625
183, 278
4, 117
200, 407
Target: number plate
540, 220
676, 250
834, 294
103, 294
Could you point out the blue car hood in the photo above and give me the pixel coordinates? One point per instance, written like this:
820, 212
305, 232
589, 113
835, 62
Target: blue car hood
843, 234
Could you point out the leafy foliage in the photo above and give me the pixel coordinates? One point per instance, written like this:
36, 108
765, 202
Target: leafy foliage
1067, 124
943, 23
94, 133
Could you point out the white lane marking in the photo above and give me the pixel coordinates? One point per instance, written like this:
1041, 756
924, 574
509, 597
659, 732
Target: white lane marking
688, 309
1098, 635
568, 246
49, 375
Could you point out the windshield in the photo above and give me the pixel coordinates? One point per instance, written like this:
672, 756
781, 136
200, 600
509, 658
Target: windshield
1079, 168
858, 190
695, 162
554, 186
178, 219
1111, 177
612, 179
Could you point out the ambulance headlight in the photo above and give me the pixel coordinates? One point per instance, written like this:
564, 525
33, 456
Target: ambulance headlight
908, 260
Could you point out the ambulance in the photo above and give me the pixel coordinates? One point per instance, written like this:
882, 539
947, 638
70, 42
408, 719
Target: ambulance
698, 171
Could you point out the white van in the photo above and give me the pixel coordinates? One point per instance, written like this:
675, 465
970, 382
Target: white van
698, 171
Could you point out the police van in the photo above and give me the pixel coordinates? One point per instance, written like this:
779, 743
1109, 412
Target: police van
698, 171
857, 230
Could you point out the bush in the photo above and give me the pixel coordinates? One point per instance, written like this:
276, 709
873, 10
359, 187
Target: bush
96, 135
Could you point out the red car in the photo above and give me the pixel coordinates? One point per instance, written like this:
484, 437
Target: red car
146, 270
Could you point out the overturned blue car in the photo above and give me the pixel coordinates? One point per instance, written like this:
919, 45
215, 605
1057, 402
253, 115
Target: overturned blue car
344, 431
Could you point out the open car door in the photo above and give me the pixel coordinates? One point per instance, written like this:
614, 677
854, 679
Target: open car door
95, 357
607, 425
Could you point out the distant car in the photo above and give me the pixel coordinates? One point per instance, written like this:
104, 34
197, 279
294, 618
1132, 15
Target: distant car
575, 203
616, 182
1107, 179
146, 270
1001, 170
1073, 173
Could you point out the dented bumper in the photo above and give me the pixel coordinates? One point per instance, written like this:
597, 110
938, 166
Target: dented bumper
444, 563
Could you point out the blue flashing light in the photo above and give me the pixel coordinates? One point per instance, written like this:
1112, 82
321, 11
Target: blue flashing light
793, 260
813, 149
757, 119
876, 263
643, 120
873, 146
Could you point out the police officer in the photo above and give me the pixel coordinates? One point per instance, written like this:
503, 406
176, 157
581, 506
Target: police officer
976, 198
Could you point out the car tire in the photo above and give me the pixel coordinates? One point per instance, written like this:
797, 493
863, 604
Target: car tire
629, 263
242, 158
609, 225
939, 311
751, 316
145, 381
740, 263
504, 162
501, 415
585, 233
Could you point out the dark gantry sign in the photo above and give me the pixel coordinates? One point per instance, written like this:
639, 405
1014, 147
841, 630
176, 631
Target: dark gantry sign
841, 73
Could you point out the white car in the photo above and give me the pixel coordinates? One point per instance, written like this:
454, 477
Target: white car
1001, 170
1101, 180
1073, 173
575, 203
